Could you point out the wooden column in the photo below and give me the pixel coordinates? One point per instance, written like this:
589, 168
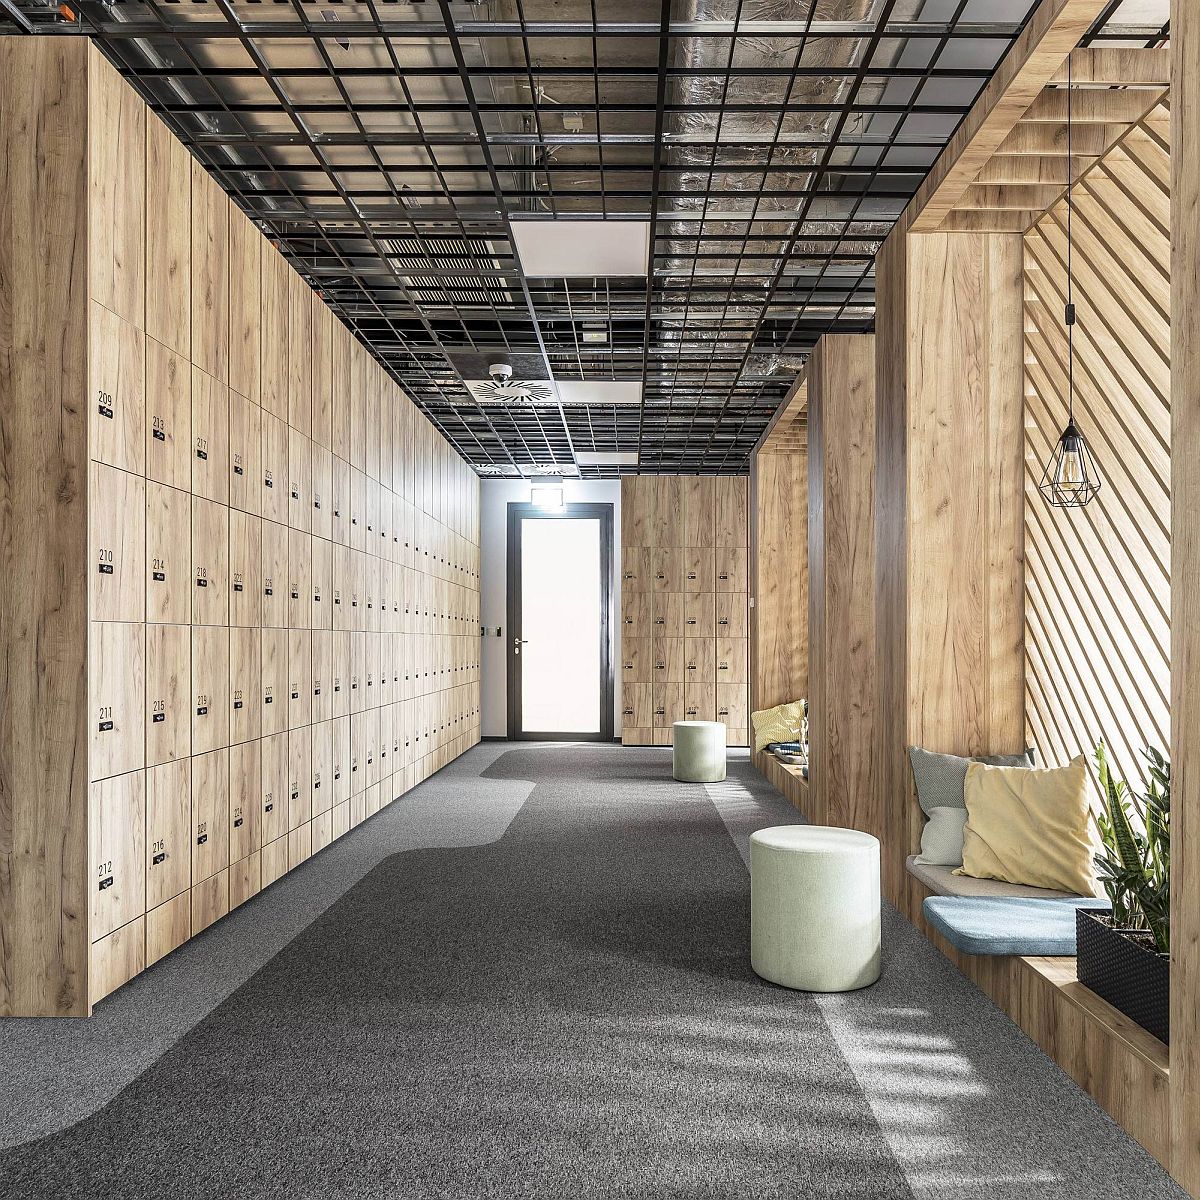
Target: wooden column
949, 574
841, 559
1185, 593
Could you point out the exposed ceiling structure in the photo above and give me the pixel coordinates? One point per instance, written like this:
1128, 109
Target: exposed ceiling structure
719, 174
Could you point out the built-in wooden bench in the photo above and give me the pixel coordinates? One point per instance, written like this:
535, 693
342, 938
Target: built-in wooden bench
788, 780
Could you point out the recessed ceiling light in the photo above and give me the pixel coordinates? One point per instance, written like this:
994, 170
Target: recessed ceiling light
599, 391
606, 458
581, 249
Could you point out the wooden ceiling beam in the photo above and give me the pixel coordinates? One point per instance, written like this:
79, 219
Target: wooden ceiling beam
1051, 169
1118, 67
1106, 106
1039, 138
1015, 196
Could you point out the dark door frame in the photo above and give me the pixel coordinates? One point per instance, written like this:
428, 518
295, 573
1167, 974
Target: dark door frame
516, 514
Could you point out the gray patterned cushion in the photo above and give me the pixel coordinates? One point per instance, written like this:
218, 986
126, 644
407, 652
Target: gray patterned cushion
940, 778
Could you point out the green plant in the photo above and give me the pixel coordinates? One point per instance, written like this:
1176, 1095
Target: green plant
1135, 862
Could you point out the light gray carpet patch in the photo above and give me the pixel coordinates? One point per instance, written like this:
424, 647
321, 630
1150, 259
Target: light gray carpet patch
968, 1103
56, 1072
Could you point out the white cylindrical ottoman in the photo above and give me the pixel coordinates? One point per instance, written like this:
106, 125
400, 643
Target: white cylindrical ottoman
814, 907
698, 751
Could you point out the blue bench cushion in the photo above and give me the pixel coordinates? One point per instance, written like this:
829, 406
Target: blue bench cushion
1008, 924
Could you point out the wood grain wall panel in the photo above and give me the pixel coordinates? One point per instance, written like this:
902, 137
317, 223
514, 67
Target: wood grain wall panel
322, 373
210, 275
168, 238
246, 319
274, 337
299, 354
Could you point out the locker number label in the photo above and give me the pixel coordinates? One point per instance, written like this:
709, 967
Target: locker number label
105, 404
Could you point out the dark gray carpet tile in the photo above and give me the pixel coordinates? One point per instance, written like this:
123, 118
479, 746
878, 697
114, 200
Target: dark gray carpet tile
54, 1073
569, 1012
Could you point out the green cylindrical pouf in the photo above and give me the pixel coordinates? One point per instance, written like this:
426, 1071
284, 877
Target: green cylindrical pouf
814, 907
698, 751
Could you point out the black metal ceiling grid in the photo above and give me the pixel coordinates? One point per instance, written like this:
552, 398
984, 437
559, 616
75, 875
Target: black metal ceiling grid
389, 147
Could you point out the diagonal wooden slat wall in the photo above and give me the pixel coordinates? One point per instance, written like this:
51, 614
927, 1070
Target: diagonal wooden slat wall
1098, 579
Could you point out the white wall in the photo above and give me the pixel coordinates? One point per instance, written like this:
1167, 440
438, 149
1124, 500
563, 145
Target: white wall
494, 498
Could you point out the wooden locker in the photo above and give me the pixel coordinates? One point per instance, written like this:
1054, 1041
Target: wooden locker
117, 390
245, 880
276, 276
322, 491
320, 583
359, 738
700, 702
733, 706
731, 660
116, 959
699, 661
698, 573
669, 704
637, 659
210, 688
168, 831
117, 544
341, 760
245, 569
731, 615
636, 619
360, 368
274, 466
698, 512
340, 350
116, 200
117, 683
245, 685
299, 777
698, 615
358, 510
666, 518
168, 720
168, 425
299, 678
635, 569
323, 673
210, 901
274, 765
210, 814
245, 305
667, 614
168, 554
210, 437
168, 238
300, 350
731, 570
210, 275
358, 668
339, 502
731, 500
322, 831
299, 481
374, 379
274, 861
322, 373
168, 926
210, 562
245, 805
276, 603
299, 588
275, 681
341, 584
668, 660
245, 454
322, 766
116, 834
299, 845
666, 564
341, 674
637, 709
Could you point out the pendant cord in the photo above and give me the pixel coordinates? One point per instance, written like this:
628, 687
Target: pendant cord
1070, 241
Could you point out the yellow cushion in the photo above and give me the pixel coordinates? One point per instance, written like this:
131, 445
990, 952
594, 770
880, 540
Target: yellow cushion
1030, 826
778, 724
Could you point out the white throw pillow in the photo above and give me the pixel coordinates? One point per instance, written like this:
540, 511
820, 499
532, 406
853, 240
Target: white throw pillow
942, 838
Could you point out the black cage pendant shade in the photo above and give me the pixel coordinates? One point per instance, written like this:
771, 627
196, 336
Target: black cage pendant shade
1070, 479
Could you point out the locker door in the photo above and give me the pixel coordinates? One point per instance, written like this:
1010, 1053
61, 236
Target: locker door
700, 700
666, 521
210, 437
731, 569
637, 656
359, 781
275, 601
321, 577
168, 429
698, 511
698, 569
275, 766
246, 247
341, 585
667, 609
245, 569
274, 860
322, 652
117, 681
698, 615
731, 615
668, 660
276, 277
210, 814
339, 501
322, 492
299, 845
322, 373
117, 544
168, 693
669, 705
245, 454
210, 688
341, 348
731, 660
341, 760
275, 500
322, 767
168, 822
636, 575
731, 509
300, 351
667, 569
245, 879
299, 590
299, 481
637, 707
733, 707
371, 727
358, 510
698, 660
245, 807
637, 504
341, 674
168, 554
274, 681
168, 238
210, 275
117, 850
299, 678
210, 562
117, 387
245, 685
358, 668
299, 777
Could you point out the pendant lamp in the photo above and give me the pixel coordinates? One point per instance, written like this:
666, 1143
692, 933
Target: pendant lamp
1070, 479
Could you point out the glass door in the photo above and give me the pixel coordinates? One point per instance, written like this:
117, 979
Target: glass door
560, 683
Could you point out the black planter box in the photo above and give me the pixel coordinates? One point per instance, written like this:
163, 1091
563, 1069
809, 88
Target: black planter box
1129, 975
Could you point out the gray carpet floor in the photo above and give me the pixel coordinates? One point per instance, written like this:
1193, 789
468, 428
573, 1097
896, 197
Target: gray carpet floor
562, 1008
